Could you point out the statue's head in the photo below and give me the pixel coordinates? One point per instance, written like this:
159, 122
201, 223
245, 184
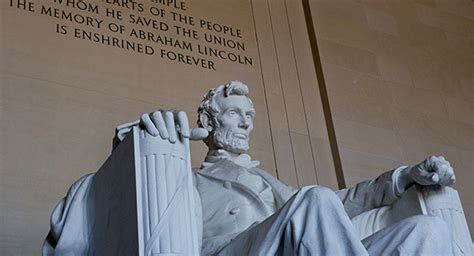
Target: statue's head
227, 113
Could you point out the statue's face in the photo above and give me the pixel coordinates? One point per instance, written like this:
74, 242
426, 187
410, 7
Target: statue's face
234, 123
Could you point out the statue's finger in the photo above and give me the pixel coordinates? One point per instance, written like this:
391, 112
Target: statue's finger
157, 118
444, 161
148, 124
441, 169
447, 179
425, 165
425, 178
198, 134
183, 123
430, 162
434, 178
450, 170
452, 179
170, 126
446, 182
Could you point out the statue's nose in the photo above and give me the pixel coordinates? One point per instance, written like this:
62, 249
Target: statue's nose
244, 123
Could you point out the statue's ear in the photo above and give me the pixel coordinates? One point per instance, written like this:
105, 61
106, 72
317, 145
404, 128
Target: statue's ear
206, 121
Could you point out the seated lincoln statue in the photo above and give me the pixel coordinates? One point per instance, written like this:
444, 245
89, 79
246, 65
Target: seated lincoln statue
243, 210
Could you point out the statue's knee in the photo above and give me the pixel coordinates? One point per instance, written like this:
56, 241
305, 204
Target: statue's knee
320, 194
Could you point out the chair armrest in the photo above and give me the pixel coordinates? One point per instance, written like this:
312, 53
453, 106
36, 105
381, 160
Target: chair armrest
445, 203
376, 219
438, 201
167, 223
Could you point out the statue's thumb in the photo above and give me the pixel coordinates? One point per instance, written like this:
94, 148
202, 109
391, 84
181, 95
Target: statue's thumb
198, 134
434, 177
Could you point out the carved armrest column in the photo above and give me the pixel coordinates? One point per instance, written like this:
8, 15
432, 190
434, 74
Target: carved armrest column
165, 196
444, 202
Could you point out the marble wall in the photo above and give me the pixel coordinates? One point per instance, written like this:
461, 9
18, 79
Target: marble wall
399, 76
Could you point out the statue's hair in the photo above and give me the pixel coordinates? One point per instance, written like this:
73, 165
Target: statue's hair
209, 106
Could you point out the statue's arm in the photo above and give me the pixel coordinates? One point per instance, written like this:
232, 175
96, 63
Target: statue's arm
67, 222
371, 194
388, 187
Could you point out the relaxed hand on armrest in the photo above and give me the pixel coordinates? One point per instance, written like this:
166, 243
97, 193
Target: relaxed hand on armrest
167, 124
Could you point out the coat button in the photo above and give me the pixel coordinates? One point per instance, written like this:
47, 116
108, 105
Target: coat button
234, 211
227, 184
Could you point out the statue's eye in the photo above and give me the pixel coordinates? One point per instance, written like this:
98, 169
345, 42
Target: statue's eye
250, 115
232, 113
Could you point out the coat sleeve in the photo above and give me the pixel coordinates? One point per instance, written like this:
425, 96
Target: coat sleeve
371, 194
67, 226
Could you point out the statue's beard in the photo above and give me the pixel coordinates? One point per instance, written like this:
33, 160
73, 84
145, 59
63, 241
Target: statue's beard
226, 139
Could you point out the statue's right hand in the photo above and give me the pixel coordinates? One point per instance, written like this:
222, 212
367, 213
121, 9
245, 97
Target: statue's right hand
169, 123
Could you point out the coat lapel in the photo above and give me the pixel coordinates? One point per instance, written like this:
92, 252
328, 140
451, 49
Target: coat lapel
221, 171
281, 191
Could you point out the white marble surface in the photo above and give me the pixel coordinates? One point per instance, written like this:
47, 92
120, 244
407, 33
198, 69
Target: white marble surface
242, 209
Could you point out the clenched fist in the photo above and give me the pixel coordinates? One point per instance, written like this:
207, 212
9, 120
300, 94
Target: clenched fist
434, 170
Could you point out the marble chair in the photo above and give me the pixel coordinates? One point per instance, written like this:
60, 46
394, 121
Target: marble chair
438, 201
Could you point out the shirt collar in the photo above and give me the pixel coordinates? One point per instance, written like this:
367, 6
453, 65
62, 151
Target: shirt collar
213, 156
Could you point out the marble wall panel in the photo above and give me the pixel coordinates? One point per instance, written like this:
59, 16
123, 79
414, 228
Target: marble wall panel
348, 56
381, 21
424, 65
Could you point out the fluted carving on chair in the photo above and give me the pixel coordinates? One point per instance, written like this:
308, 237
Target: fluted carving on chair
165, 197
444, 202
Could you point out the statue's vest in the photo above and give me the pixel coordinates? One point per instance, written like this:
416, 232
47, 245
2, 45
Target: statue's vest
229, 207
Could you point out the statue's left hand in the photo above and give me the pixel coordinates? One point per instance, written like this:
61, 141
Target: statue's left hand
431, 171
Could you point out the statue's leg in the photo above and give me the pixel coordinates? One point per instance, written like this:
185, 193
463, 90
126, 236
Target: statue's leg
417, 235
312, 222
